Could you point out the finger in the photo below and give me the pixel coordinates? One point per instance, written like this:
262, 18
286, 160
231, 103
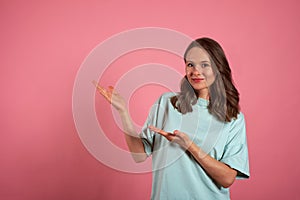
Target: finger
102, 91
99, 88
96, 84
168, 136
111, 88
159, 131
153, 128
181, 137
178, 133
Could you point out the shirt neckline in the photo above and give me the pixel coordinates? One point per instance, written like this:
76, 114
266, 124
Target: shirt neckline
202, 102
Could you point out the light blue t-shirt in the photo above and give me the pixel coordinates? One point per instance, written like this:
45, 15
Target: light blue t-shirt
176, 174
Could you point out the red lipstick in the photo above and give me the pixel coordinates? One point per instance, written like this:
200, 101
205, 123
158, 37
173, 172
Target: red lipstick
197, 80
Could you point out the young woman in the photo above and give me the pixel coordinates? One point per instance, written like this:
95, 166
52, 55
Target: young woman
197, 137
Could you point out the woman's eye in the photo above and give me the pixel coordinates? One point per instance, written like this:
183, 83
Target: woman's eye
190, 65
205, 65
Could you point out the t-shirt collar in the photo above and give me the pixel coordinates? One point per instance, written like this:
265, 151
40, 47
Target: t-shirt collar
202, 102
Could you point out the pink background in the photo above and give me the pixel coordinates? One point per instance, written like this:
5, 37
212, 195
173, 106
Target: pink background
43, 44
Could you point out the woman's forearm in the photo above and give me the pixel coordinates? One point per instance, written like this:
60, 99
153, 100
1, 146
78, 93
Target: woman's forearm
134, 142
218, 171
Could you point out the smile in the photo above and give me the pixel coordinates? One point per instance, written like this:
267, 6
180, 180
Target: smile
197, 80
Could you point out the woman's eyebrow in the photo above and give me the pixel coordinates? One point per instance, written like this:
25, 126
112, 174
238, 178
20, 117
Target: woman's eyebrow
202, 61
190, 61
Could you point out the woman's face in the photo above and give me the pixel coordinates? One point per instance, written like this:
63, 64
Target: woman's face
199, 70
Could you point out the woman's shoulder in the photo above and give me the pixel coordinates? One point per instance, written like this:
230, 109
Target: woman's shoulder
168, 95
240, 116
238, 121
165, 97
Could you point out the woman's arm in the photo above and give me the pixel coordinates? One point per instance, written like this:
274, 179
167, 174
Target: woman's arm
218, 171
134, 142
221, 173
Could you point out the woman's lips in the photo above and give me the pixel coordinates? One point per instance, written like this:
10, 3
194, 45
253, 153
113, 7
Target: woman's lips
197, 80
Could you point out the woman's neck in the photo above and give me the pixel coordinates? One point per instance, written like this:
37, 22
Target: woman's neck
203, 94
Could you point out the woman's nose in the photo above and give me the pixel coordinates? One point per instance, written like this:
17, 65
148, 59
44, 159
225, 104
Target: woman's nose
197, 70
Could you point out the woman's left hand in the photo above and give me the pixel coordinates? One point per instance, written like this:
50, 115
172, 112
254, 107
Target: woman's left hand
178, 137
221, 173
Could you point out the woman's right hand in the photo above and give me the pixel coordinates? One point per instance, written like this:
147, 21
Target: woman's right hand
134, 142
112, 97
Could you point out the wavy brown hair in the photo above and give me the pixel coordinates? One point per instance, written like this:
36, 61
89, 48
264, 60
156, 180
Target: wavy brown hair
223, 95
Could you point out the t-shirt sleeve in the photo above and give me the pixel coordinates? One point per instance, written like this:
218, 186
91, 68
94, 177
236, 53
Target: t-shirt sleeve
236, 149
147, 136
155, 118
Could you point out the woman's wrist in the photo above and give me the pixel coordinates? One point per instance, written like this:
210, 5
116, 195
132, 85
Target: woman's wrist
196, 151
123, 111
